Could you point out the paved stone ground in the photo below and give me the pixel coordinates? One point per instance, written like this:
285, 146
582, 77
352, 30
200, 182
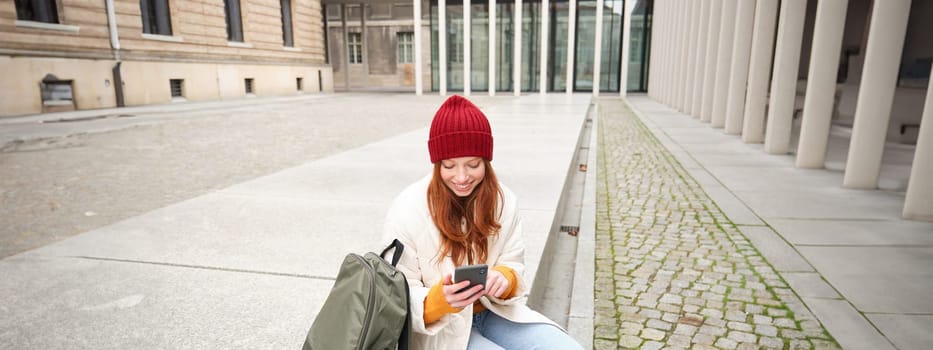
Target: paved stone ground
52, 189
672, 271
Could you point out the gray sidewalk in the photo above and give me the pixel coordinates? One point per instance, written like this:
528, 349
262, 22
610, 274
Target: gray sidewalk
247, 266
863, 271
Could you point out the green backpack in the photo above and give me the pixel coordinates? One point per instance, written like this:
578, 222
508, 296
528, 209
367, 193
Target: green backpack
367, 308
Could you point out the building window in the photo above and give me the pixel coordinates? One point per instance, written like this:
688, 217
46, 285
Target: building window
405, 42
355, 46
37, 10
56, 92
287, 38
248, 82
178, 87
320, 81
234, 20
156, 17
454, 42
324, 10
300, 84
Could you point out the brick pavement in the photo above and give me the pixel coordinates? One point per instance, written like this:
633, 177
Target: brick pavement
672, 271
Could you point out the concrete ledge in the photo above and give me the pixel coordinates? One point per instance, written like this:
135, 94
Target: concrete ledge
810, 285
847, 325
780, 254
580, 323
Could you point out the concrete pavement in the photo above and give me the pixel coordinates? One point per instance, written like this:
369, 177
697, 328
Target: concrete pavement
248, 266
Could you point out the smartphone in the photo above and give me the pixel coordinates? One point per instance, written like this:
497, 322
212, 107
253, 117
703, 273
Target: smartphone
476, 274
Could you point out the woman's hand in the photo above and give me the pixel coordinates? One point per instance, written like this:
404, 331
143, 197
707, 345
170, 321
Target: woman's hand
457, 298
496, 283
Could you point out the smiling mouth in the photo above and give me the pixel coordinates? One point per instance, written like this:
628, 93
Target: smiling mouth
462, 188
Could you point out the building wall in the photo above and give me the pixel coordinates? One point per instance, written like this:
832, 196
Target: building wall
20, 93
79, 49
82, 30
380, 68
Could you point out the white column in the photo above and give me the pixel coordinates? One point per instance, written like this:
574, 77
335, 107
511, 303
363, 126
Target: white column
627, 8
364, 52
724, 63
677, 53
517, 51
821, 83
668, 35
700, 64
571, 45
492, 48
784, 77
442, 46
738, 77
685, 54
346, 46
598, 47
686, 35
918, 205
467, 49
712, 49
759, 70
419, 86
671, 70
876, 92
693, 21
545, 34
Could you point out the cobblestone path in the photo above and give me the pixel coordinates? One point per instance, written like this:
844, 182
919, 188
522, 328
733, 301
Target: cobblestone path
672, 271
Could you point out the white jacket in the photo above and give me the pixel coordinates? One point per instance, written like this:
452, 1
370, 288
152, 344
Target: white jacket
409, 220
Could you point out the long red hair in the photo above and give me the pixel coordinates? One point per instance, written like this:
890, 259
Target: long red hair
465, 223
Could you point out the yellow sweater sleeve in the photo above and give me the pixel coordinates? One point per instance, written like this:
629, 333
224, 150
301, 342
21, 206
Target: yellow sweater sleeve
513, 280
436, 306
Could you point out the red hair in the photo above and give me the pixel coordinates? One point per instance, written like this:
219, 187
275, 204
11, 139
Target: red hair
467, 222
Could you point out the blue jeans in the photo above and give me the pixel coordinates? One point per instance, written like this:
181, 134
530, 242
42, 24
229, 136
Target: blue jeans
493, 332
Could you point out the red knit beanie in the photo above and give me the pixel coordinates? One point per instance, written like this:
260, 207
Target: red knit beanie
459, 129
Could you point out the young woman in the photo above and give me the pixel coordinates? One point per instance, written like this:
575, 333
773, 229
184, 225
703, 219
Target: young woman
460, 215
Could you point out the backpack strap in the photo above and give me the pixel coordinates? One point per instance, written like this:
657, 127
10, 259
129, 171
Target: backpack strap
399, 248
403, 339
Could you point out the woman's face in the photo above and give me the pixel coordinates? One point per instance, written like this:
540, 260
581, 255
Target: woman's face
462, 175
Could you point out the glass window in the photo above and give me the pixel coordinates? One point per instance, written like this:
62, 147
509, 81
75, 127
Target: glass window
559, 22
435, 65
57, 91
37, 10
455, 47
560, 28
638, 46
505, 45
479, 48
355, 47
177, 87
405, 47
585, 44
531, 43
234, 20
156, 17
455, 41
611, 47
288, 39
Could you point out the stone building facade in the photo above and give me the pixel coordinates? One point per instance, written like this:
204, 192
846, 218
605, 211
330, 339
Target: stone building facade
86, 54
